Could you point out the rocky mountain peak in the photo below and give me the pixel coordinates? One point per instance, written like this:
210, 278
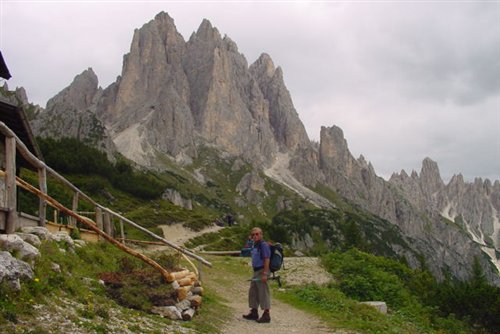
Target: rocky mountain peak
457, 179
21, 95
263, 67
164, 17
333, 150
79, 94
430, 178
207, 33
288, 130
230, 45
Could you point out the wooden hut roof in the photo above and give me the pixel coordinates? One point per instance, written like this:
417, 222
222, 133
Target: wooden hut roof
4, 71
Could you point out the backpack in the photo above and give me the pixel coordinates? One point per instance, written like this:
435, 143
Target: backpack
276, 258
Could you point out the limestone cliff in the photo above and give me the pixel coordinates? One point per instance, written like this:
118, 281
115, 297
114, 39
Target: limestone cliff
419, 206
472, 207
71, 113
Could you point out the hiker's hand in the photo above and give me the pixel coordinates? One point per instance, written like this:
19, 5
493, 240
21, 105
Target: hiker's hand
264, 278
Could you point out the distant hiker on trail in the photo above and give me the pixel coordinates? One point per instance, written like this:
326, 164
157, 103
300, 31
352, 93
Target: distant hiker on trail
258, 294
229, 219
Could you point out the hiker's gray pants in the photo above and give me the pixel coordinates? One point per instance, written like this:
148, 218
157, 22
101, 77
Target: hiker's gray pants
259, 294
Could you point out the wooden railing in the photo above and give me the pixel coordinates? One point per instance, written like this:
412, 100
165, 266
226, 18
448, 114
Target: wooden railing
103, 222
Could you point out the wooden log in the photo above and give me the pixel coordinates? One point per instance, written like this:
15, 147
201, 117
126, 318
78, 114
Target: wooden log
183, 292
180, 274
175, 285
188, 314
174, 246
183, 305
223, 253
195, 300
191, 275
191, 263
92, 226
10, 185
185, 281
133, 241
42, 206
198, 290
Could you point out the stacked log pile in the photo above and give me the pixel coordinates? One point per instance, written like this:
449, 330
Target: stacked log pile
188, 292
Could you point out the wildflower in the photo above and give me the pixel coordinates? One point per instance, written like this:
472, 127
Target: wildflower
37, 279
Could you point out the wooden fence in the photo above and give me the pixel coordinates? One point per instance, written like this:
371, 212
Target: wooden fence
103, 216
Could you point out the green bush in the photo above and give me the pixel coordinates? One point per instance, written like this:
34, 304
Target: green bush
415, 294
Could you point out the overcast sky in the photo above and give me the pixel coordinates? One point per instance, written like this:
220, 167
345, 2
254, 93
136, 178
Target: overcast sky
405, 80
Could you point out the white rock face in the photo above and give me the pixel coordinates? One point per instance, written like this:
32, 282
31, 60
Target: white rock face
175, 197
12, 270
32, 239
40, 232
379, 306
14, 244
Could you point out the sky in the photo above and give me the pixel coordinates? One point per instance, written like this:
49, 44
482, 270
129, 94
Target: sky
404, 80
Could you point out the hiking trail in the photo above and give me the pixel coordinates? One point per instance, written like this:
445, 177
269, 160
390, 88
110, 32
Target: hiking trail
233, 288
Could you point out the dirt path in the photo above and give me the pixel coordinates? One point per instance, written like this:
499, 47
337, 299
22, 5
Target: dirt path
178, 234
284, 318
233, 287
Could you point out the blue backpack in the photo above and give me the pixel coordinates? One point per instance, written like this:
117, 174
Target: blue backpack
276, 258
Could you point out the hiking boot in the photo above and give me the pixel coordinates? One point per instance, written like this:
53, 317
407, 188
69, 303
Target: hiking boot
266, 318
253, 315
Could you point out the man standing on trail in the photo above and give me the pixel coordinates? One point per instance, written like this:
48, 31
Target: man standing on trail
259, 294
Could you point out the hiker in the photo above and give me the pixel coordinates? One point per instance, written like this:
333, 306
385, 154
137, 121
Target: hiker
246, 251
229, 219
258, 294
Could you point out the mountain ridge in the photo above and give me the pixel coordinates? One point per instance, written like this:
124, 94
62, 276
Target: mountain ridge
173, 96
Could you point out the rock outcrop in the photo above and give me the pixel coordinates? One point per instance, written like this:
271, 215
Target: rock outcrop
472, 207
418, 205
71, 113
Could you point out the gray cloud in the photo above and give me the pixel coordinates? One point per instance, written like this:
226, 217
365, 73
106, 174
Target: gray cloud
403, 80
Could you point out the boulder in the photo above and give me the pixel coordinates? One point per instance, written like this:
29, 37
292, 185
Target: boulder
79, 243
39, 231
170, 312
379, 306
14, 244
12, 270
62, 237
32, 239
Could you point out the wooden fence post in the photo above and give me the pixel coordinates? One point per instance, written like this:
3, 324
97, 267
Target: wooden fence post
74, 207
107, 223
42, 208
98, 218
199, 271
10, 184
122, 232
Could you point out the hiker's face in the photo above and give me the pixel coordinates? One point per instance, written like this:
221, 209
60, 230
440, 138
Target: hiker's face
256, 236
